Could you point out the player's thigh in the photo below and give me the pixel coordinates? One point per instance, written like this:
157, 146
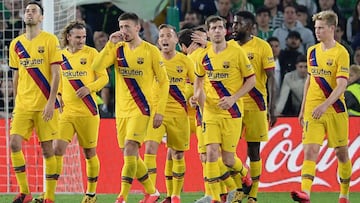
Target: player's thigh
155, 134
131, 128
178, 133
255, 125
47, 130
337, 128
87, 130
66, 129
22, 123
230, 133
313, 130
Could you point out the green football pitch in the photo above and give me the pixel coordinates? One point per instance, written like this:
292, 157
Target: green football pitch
279, 197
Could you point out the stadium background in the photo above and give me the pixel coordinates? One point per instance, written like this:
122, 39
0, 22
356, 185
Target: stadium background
281, 155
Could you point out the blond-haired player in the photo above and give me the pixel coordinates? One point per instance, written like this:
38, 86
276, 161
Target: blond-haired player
323, 111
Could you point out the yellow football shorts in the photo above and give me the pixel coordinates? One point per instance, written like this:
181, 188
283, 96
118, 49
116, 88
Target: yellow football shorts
131, 128
23, 123
334, 125
255, 125
86, 129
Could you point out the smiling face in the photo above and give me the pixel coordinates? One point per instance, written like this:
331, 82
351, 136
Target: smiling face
77, 38
167, 39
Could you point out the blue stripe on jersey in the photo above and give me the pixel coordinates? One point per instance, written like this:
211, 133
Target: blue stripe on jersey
121, 57
175, 92
222, 91
325, 87
138, 95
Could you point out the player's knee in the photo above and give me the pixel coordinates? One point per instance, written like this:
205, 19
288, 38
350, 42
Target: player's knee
47, 149
15, 143
228, 160
89, 153
151, 147
178, 155
131, 148
342, 154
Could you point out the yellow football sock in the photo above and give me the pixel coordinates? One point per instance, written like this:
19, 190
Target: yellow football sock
18, 162
92, 172
225, 176
127, 174
236, 176
255, 171
206, 184
169, 177
344, 174
178, 176
51, 177
212, 174
150, 162
143, 176
59, 164
238, 166
307, 175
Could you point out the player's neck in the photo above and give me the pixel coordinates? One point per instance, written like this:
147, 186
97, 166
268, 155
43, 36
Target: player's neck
219, 47
72, 49
134, 43
169, 55
245, 39
328, 44
32, 31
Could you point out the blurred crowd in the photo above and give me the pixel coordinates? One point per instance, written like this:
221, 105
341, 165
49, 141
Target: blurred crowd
285, 24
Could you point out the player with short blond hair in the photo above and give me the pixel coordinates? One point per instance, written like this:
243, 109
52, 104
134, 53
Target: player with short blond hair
323, 111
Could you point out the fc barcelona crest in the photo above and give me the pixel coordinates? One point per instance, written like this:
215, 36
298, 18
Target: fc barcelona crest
41, 49
83, 61
179, 69
140, 60
329, 62
250, 56
226, 64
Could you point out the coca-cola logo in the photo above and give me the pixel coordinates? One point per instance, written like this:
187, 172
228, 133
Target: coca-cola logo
282, 159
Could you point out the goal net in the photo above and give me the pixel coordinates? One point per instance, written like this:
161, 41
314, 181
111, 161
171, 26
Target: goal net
57, 14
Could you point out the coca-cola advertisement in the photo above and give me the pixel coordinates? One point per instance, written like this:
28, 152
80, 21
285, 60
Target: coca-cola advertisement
282, 159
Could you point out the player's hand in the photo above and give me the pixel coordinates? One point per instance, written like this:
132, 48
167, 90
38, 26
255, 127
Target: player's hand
301, 119
48, 111
158, 118
226, 102
116, 37
198, 39
192, 47
82, 92
272, 118
193, 101
319, 111
61, 102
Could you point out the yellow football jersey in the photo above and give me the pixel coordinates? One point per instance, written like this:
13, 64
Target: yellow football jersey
32, 60
324, 67
261, 58
135, 71
179, 69
224, 74
76, 73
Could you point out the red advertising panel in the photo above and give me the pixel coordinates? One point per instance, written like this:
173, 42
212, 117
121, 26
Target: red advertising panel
282, 158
